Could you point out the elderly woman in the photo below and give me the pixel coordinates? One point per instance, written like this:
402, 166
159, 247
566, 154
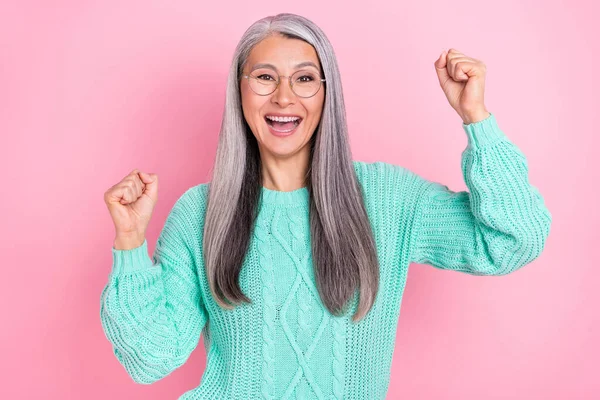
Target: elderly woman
292, 261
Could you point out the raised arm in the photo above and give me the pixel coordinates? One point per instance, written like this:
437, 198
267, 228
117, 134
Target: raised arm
496, 227
151, 309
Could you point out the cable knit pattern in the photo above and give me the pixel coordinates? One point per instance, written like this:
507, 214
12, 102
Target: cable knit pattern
338, 352
285, 344
303, 334
261, 233
499, 225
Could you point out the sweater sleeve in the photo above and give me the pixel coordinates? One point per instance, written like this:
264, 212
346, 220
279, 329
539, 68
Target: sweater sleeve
151, 309
496, 227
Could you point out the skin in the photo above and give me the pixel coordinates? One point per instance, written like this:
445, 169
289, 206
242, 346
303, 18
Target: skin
462, 80
285, 160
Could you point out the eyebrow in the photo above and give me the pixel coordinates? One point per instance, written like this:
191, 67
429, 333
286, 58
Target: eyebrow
271, 66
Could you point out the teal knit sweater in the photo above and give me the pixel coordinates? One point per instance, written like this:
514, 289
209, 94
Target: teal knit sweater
286, 345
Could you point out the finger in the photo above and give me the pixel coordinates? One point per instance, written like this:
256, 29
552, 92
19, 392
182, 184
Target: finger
141, 177
146, 177
453, 52
131, 176
452, 61
135, 188
132, 185
459, 71
151, 181
464, 70
440, 68
139, 183
126, 194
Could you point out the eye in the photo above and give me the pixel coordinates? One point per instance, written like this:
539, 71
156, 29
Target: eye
262, 75
309, 78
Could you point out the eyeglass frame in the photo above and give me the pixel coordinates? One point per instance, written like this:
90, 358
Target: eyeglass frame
321, 80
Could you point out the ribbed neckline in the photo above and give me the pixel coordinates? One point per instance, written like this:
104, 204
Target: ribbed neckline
294, 197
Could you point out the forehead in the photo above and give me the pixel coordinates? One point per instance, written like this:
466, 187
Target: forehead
283, 53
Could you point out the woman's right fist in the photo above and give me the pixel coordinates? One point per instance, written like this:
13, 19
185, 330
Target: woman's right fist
131, 202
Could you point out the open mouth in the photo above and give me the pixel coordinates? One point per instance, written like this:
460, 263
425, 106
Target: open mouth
283, 124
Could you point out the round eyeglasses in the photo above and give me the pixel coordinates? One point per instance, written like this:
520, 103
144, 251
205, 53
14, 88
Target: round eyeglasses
303, 83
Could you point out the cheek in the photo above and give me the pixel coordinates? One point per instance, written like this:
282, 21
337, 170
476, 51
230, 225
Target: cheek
250, 100
316, 108
251, 107
246, 101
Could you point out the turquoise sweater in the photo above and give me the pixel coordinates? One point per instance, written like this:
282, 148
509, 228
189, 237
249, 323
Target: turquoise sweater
285, 344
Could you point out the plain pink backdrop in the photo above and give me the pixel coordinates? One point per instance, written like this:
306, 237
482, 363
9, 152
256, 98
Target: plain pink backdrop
90, 90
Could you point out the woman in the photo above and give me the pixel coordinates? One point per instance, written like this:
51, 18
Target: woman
292, 261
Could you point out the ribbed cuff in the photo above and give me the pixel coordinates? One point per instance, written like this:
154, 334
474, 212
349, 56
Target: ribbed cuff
483, 132
126, 261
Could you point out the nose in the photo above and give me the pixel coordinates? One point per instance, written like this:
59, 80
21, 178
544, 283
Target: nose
283, 95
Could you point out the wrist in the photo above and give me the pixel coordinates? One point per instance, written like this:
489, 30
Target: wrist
128, 242
475, 116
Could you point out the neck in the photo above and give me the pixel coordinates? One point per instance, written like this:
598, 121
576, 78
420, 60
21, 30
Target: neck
285, 173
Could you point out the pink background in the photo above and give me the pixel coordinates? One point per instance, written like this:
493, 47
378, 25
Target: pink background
89, 91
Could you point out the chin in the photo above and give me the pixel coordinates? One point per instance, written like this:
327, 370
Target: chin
281, 148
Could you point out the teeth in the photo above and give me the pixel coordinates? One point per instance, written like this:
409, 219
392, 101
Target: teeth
282, 119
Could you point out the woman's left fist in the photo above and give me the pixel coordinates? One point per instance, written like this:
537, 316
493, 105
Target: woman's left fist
462, 79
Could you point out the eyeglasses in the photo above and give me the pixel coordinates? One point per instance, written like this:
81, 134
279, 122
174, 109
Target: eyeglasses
303, 83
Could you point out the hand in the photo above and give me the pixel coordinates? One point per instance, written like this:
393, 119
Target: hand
462, 79
131, 202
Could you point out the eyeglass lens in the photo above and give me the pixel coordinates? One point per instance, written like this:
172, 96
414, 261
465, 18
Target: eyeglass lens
305, 83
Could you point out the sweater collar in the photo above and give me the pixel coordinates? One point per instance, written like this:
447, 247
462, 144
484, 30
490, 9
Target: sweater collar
293, 198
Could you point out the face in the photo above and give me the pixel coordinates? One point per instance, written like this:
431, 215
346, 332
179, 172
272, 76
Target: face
284, 54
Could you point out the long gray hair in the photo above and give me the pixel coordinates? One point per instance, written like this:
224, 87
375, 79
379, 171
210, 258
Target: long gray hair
343, 247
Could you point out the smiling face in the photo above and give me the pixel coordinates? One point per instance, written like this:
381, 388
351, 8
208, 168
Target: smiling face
284, 55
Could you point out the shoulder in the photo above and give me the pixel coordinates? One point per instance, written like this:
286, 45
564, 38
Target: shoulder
196, 195
390, 187
383, 175
190, 207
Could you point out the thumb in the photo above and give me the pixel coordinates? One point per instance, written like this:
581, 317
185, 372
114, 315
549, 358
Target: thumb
440, 68
151, 182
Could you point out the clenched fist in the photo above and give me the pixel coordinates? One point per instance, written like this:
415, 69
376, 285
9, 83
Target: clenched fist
462, 79
130, 204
